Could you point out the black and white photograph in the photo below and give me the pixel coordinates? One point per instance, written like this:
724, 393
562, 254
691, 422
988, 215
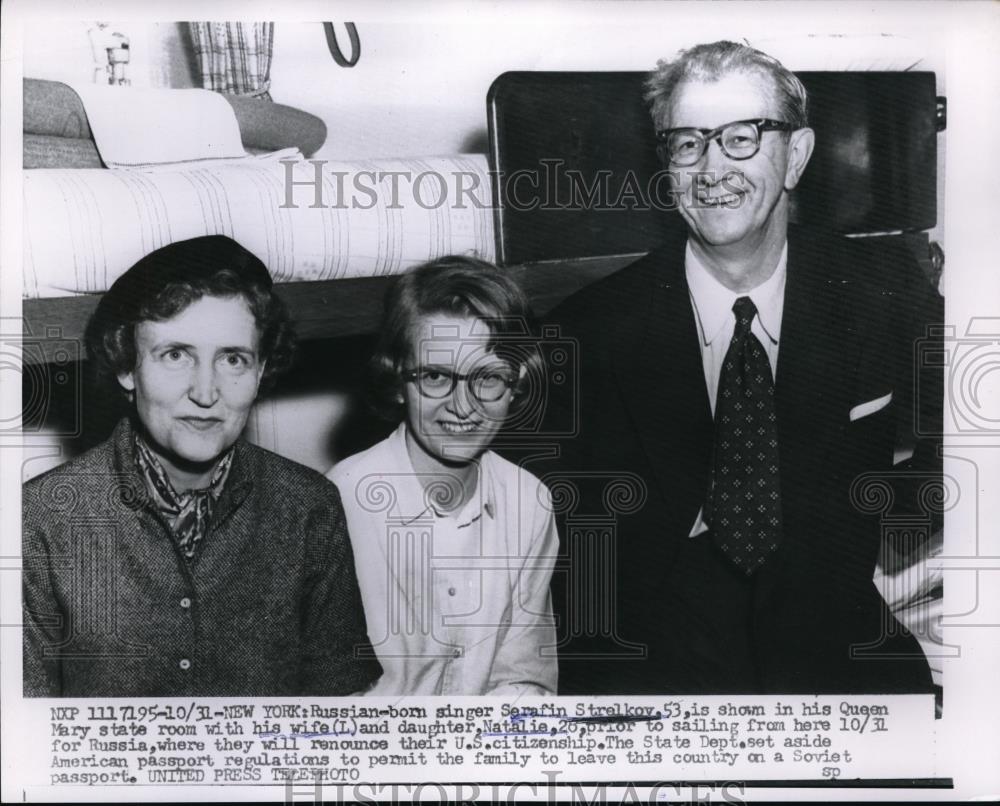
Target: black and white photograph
597, 398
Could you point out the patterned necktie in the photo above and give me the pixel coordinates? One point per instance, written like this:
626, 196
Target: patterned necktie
743, 505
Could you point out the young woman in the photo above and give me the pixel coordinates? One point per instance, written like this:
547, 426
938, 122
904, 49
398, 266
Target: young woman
453, 544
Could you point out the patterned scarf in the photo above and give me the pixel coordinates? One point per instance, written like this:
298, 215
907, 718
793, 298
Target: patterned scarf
189, 512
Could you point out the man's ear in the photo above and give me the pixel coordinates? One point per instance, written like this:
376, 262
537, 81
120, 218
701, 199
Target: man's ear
800, 149
127, 381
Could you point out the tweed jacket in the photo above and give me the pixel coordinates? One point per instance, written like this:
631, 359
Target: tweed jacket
268, 607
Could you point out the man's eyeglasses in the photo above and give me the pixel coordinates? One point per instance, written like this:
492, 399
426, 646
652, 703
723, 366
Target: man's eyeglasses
738, 140
486, 385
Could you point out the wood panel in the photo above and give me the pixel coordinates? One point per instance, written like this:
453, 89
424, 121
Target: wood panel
321, 310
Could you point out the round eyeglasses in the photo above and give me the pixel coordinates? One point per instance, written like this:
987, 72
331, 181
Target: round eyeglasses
486, 385
739, 140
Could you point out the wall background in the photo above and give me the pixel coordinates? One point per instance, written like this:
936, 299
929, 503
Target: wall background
420, 85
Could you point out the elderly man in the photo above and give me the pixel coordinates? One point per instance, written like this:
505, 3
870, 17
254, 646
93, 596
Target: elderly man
748, 374
176, 558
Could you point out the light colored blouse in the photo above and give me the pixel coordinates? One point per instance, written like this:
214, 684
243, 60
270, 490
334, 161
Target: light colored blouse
456, 603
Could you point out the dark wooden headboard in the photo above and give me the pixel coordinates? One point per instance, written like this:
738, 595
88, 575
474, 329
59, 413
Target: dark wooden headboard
555, 134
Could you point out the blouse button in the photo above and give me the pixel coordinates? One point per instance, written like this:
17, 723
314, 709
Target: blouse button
451, 591
185, 664
185, 603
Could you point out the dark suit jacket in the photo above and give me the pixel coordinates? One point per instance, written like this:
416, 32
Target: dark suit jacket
853, 312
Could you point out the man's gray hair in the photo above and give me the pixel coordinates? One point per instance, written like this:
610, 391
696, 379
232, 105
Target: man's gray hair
716, 60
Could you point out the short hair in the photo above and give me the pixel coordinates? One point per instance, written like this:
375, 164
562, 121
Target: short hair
455, 285
166, 281
713, 61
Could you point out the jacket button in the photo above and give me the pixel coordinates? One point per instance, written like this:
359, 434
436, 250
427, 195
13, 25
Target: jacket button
457, 653
185, 664
185, 603
451, 591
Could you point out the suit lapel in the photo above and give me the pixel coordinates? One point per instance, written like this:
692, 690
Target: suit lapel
817, 358
662, 378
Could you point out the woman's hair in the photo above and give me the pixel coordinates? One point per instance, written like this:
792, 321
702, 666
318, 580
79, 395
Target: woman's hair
165, 282
713, 61
455, 285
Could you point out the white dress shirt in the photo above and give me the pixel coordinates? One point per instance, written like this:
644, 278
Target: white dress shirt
713, 312
456, 602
